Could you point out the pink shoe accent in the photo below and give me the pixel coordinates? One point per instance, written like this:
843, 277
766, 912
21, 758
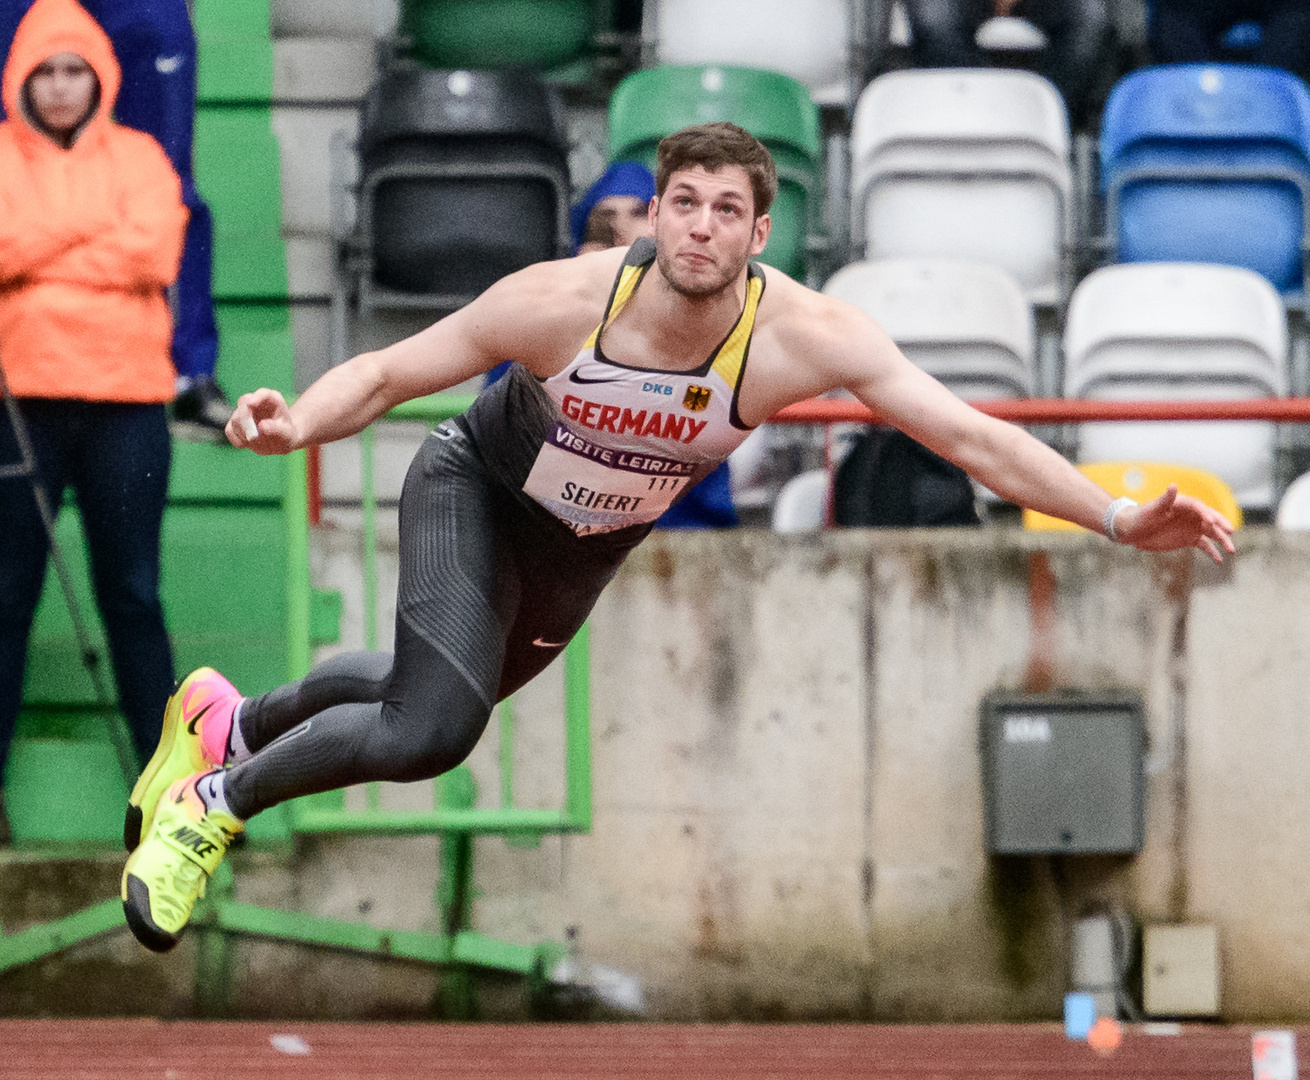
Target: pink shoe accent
207, 712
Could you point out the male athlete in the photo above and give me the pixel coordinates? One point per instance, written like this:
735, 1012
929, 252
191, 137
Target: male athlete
637, 372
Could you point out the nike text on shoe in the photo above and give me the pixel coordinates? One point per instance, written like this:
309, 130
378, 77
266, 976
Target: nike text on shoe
166, 874
197, 722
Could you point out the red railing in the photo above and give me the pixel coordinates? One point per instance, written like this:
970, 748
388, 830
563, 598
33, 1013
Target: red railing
1072, 411
1023, 411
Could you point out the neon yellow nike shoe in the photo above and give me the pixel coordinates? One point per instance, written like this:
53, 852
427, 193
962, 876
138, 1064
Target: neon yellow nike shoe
197, 722
166, 874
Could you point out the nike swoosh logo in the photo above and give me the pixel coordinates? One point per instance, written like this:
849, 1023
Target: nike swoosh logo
616, 377
191, 727
550, 644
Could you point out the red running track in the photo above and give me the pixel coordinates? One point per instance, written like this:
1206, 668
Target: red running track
157, 1050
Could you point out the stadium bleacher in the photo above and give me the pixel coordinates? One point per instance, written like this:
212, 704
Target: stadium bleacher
950, 197
949, 205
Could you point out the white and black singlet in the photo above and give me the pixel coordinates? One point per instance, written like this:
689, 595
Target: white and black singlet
513, 518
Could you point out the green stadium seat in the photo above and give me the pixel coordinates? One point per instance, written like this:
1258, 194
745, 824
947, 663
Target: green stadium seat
235, 61
541, 34
776, 109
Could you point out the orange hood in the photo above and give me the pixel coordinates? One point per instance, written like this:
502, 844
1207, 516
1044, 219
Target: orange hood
57, 26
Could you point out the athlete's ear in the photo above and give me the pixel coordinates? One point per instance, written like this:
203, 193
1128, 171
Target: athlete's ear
652, 212
760, 236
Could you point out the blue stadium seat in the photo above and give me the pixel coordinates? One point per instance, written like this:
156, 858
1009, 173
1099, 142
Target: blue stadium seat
1209, 163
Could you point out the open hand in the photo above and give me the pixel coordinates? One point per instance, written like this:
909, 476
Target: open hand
1176, 521
262, 422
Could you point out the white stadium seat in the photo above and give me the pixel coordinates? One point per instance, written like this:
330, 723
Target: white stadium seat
965, 164
806, 39
967, 324
1184, 331
1294, 506
802, 503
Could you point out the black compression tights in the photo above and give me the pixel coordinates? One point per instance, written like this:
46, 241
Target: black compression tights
489, 592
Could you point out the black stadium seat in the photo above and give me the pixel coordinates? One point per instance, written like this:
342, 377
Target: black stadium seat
464, 180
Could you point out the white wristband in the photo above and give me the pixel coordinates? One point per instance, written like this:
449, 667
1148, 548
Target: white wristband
1112, 512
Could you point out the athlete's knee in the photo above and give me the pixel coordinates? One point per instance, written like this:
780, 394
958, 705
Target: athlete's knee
430, 740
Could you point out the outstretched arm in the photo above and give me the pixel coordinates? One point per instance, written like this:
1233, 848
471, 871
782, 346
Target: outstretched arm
536, 313
861, 357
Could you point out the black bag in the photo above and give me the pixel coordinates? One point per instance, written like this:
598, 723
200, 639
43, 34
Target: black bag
890, 481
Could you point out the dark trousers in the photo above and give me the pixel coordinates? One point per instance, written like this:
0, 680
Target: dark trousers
115, 457
156, 49
491, 589
1081, 35
1190, 31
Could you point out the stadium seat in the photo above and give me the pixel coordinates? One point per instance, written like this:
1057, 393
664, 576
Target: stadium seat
538, 34
966, 324
801, 505
774, 108
1209, 163
810, 40
965, 164
1180, 331
1294, 507
330, 18
465, 180
1146, 480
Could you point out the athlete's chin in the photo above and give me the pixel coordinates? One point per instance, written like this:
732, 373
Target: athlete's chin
699, 282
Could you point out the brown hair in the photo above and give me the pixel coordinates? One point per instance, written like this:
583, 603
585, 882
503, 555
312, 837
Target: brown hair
712, 146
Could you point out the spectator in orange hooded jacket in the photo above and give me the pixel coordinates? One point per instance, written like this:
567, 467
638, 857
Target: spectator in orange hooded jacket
91, 227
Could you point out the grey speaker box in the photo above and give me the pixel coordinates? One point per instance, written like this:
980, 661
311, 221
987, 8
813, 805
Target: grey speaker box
1062, 773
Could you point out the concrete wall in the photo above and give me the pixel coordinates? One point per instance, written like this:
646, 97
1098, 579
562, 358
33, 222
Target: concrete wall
788, 807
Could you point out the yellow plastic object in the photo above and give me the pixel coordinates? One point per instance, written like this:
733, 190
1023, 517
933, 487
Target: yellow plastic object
1143, 481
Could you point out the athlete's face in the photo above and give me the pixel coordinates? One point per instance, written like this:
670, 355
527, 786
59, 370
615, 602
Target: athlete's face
706, 229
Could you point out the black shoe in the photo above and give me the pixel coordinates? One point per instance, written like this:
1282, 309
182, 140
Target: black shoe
6, 835
201, 401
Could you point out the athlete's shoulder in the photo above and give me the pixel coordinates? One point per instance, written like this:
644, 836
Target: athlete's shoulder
788, 307
542, 314
582, 281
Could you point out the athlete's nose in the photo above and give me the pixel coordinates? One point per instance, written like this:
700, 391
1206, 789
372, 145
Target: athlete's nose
700, 224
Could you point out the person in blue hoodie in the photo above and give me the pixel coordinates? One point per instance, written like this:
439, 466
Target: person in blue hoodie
155, 46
